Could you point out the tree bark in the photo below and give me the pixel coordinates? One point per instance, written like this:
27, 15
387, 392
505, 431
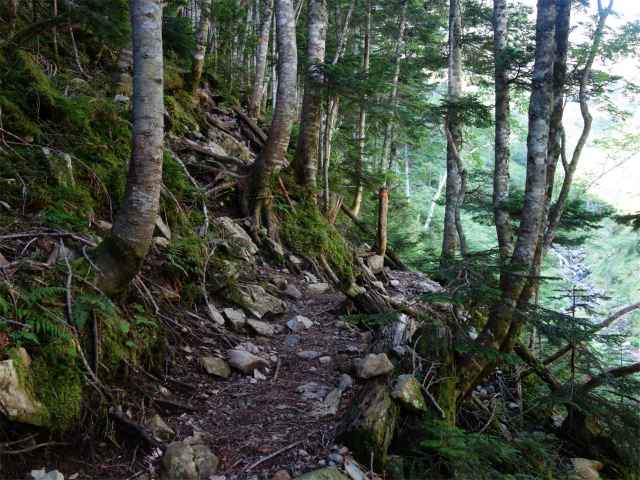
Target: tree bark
305, 161
443, 180
394, 88
471, 366
269, 162
122, 251
503, 130
120, 80
380, 246
407, 192
200, 48
263, 49
449, 235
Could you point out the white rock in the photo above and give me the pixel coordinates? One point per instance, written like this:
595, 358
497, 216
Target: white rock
587, 469
214, 315
234, 233
15, 402
373, 365
299, 324
376, 264
257, 375
293, 292
156, 424
246, 362
318, 288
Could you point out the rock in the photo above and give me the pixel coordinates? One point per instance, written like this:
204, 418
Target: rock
215, 366
308, 354
311, 390
373, 365
232, 146
233, 232
294, 259
3, 261
513, 406
299, 324
343, 325
258, 376
291, 340
253, 299
327, 473
261, 328
249, 347
406, 392
281, 475
355, 471
61, 167
102, 227
278, 282
335, 457
394, 283
161, 229
120, 98
329, 406
324, 360
43, 475
587, 469
399, 351
246, 362
345, 382
310, 277
428, 287
292, 292
376, 264
156, 425
15, 402
22, 354
188, 462
235, 319
161, 242
214, 315
273, 246
217, 477
318, 288
169, 294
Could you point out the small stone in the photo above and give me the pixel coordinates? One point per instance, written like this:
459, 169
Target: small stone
308, 354
299, 324
281, 475
587, 469
303, 453
329, 406
235, 319
345, 382
324, 360
313, 369
189, 462
120, 98
514, 406
318, 288
343, 325
322, 463
291, 340
373, 365
394, 283
399, 351
245, 362
293, 292
214, 315
335, 457
261, 328
161, 242
215, 366
217, 477
157, 425
273, 246
406, 392
273, 358
258, 376
343, 450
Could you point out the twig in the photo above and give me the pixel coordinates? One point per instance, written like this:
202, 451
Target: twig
433, 400
152, 442
29, 449
275, 377
8, 444
284, 449
48, 234
13, 322
75, 50
86, 257
286, 195
188, 408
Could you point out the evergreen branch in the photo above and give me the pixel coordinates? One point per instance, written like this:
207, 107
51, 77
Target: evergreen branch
618, 372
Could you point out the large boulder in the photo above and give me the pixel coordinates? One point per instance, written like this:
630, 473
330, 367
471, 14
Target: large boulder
229, 230
406, 392
189, 462
15, 402
253, 299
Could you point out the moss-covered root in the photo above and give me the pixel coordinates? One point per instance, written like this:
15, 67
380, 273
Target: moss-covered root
369, 425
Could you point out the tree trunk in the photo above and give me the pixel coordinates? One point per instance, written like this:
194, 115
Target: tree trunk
269, 162
263, 49
449, 234
394, 88
406, 175
443, 180
381, 238
122, 251
200, 48
471, 366
503, 131
305, 161
121, 80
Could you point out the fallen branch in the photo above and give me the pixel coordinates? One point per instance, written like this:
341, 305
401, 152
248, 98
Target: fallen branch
254, 127
49, 234
182, 406
193, 147
149, 440
35, 447
275, 377
284, 449
286, 195
216, 124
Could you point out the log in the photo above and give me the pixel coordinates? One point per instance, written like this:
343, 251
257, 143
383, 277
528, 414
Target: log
214, 122
256, 129
390, 253
254, 141
194, 147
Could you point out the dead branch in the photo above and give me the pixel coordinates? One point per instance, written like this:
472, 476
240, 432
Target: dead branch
188, 145
138, 429
35, 447
284, 449
255, 128
49, 234
286, 195
181, 406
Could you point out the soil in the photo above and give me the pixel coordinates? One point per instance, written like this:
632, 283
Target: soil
242, 420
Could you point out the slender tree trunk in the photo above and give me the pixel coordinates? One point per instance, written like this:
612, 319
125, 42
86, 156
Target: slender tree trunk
406, 175
503, 131
121, 80
394, 88
380, 246
200, 48
470, 366
362, 120
305, 161
122, 251
263, 49
463, 190
268, 164
450, 233
443, 180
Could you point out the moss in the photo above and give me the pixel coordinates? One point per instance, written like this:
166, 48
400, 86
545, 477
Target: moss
17, 122
308, 231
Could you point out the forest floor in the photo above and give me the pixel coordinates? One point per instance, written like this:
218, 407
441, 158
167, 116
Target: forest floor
256, 426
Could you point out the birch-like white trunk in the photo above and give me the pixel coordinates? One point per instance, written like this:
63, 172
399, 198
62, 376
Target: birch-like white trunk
305, 161
123, 249
200, 48
263, 49
443, 180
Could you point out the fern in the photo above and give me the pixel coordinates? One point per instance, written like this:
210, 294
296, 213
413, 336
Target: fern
140, 320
